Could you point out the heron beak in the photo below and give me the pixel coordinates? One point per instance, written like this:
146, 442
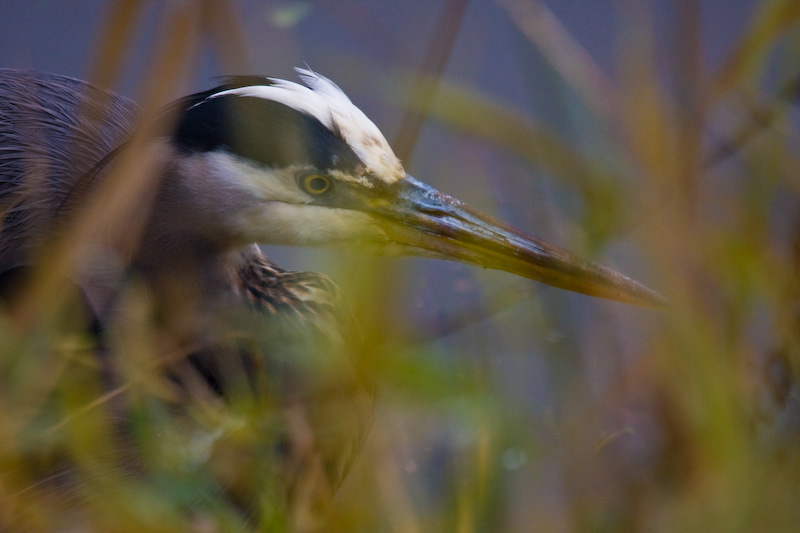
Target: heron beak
424, 218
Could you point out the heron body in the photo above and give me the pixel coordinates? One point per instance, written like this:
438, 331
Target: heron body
254, 160
54, 133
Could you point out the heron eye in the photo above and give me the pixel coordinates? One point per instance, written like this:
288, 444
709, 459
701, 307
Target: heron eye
315, 184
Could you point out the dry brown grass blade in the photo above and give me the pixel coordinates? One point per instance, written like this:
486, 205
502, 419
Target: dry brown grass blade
115, 39
575, 65
759, 118
222, 23
741, 70
690, 111
121, 196
771, 23
439, 50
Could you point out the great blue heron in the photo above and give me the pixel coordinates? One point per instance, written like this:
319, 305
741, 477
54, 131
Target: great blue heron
254, 160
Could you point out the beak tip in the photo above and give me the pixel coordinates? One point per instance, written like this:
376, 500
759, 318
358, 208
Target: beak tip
645, 297
629, 291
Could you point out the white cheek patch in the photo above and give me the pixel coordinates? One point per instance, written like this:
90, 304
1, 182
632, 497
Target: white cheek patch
282, 223
263, 183
325, 101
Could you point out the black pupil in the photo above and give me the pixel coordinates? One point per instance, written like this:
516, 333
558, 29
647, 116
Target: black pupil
317, 184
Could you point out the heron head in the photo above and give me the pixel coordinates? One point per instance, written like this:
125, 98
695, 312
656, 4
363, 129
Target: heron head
310, 168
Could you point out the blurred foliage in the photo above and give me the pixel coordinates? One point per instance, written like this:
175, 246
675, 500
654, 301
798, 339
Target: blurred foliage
513, 409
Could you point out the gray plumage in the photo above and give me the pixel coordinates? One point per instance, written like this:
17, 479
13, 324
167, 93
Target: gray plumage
53, 131
241, 318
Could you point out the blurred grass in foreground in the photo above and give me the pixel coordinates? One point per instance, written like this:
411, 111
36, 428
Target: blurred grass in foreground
695, 431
